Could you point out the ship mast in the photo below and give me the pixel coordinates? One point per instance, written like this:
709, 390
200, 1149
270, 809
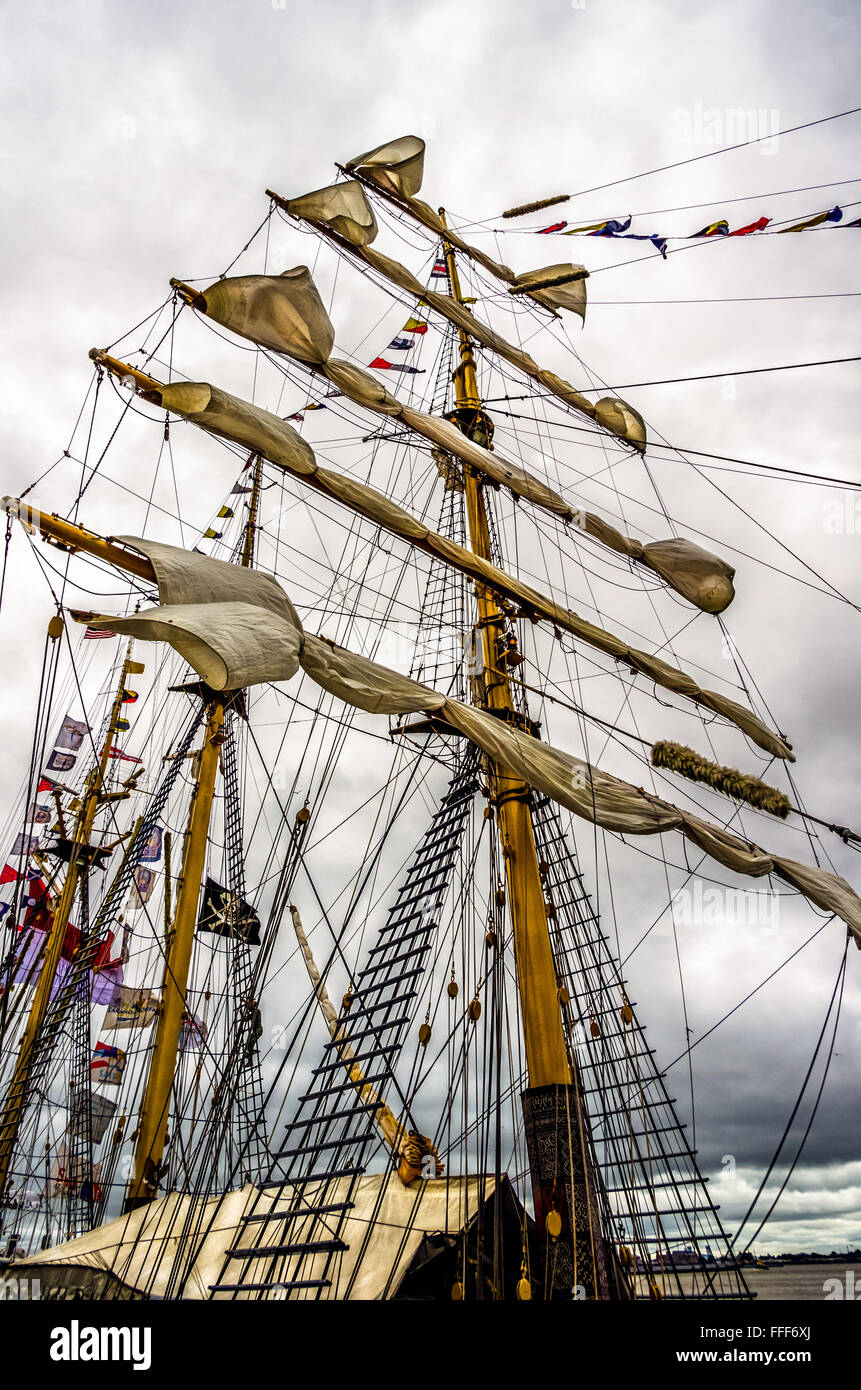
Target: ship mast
152, 1128
546, 1053
151, 1134
563, 1188
247, 559
80, 859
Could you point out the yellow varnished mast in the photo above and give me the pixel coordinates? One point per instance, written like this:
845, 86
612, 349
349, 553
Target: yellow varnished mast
574, 1253
546, 1053
151, 1133
153, 1124
154, 1111
94, 797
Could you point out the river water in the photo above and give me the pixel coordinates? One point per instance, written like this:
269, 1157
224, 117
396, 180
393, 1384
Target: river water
805, 1282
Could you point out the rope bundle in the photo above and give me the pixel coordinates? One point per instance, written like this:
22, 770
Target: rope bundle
536, 207
742, 786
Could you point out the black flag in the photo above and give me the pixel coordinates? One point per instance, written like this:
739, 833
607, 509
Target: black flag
226, 914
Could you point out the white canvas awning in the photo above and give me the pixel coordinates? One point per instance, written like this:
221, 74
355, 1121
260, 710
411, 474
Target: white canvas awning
149, 1250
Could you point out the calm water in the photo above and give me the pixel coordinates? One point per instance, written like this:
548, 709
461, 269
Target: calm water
798, 1282
803, 1281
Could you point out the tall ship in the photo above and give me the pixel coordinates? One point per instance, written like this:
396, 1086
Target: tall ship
354, 725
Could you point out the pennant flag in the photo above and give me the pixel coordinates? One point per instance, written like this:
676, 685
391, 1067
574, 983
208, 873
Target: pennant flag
556, 227
128, 697
856, 223
239, 490
24, 844
835, 215
119, 756
415, 326
225, 914
612, 227
61, 762
72, 734
226, 512
659, 242
715, 229
151, 851
143, 882
382, 365
107, 1064
92, 634
401, 344
123, 726
298, 416
40, 815
131, 1008
193, 1034
44, 785
440, 268
318, 405
757, 226
8, 874
135, 668
210, 534
4, 908
330, 395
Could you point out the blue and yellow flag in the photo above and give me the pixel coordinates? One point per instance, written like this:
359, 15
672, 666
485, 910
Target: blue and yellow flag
834, 215
715, 229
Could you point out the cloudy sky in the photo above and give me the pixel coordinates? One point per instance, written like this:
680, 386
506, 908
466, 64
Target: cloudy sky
138, 141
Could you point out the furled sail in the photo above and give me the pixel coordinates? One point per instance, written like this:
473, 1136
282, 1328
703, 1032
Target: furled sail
632, 430
283, 312
297, 324
234, 626
342, 206
555, 286
228, 417
197, 592
397, 169
397, 165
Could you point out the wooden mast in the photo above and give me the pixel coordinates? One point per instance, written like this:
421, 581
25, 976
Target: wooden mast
79, 863
555, 1122
546, 1053
153, 1121
153, 1115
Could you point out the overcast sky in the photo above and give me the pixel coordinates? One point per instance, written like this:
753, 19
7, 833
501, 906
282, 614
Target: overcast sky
138, 141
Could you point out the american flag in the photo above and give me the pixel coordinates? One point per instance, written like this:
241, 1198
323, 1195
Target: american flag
92, 633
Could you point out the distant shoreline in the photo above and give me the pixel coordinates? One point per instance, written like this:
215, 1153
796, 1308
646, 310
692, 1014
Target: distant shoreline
847, 1257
